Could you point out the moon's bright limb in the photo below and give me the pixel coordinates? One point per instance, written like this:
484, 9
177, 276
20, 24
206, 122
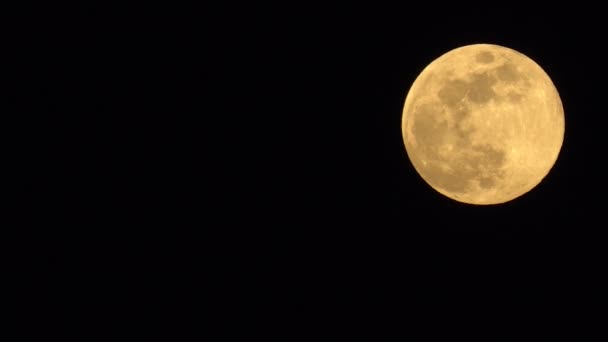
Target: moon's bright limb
483, 124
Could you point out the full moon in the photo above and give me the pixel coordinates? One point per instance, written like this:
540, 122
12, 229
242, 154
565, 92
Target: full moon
483, 124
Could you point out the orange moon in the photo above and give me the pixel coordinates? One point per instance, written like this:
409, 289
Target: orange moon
483, 124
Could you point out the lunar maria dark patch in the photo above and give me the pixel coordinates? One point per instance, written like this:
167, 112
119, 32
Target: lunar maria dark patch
484, 57
427, 127
453, 92
507, 72
480, 89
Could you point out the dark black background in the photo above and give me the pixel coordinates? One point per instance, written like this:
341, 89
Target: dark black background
242, 170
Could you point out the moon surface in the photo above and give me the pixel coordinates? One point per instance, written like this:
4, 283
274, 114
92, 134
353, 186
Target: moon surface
483, 124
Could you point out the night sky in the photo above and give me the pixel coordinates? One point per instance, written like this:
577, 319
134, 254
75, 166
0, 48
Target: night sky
242, 170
